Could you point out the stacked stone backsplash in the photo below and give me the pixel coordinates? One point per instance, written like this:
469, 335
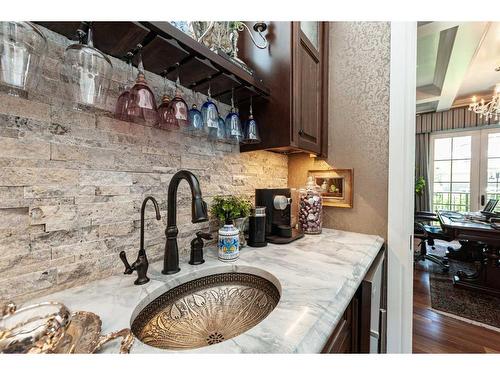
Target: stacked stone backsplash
72, 183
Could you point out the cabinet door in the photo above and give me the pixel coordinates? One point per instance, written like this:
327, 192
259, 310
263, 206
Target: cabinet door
343, 339
308, 85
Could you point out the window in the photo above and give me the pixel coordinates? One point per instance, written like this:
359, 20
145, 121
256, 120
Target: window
451, 173
465, 169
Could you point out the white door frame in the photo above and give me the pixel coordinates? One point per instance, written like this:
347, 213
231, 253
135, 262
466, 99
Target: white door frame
483, 177
401, 186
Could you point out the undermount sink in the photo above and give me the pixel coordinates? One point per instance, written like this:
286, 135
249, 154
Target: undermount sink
206, 311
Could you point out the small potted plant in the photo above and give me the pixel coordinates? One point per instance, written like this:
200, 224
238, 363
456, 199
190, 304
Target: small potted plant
232, 213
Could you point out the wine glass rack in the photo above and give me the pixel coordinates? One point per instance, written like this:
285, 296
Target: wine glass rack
165, 49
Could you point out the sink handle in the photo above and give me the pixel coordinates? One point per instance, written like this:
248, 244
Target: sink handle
197, 248
128, 268
205, 236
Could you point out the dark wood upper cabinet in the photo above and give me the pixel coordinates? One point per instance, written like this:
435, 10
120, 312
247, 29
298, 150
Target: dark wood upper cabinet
295, 68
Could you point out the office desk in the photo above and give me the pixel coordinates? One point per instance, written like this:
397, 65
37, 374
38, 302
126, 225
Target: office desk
487, 276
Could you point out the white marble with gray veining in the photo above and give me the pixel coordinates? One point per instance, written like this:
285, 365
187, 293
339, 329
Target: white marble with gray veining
317, 277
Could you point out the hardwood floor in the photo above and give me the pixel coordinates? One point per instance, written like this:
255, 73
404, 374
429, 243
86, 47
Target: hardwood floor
436, 333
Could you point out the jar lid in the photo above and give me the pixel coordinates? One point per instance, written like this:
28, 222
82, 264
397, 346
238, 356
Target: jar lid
310, 183
259, 211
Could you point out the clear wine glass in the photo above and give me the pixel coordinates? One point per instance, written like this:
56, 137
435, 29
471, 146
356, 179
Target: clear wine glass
86, 71
22, 51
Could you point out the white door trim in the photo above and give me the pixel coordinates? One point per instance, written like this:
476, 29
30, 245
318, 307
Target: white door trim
483, 157
401, 186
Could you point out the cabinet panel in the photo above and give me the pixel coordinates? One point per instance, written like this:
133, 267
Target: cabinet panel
363, 324
343, 338
295, 67
273, 66
308, 85
311, 31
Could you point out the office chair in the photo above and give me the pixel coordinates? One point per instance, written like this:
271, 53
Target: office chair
427, 233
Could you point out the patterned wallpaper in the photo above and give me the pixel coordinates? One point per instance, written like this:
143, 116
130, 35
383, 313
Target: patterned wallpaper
358, 124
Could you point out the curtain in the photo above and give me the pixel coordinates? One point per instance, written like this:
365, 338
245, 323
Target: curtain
423, 200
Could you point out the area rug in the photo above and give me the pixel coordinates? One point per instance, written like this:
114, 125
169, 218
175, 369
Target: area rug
479, 307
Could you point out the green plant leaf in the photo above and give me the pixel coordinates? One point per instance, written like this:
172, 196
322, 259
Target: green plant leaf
229, 207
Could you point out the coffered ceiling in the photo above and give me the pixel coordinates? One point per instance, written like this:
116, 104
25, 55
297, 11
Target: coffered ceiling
456, 60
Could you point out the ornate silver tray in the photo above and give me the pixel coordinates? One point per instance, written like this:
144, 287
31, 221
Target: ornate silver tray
83, 335
48, 327
32, 329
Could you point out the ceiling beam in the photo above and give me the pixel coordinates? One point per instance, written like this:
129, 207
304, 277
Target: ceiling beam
436, 27
432, 92
468, 39
425, 97
445, 47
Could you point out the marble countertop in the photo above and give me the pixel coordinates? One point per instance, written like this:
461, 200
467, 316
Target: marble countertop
317, 277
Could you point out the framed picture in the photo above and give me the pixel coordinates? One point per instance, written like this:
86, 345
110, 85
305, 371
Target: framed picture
336, 186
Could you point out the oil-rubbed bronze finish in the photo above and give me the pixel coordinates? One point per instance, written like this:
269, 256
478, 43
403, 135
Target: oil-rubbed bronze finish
141, 264
198, 214
206, 311
197, 248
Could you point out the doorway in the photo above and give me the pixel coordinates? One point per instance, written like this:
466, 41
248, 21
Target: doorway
456, 295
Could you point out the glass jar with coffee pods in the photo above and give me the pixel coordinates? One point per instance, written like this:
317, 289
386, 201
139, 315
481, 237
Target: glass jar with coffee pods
310, 208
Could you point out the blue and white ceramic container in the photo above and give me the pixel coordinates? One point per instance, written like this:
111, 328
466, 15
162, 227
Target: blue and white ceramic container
229, 243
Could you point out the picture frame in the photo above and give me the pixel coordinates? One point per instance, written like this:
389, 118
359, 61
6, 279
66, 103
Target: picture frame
336, 186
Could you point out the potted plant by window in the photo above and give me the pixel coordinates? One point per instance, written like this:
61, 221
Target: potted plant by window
232, 213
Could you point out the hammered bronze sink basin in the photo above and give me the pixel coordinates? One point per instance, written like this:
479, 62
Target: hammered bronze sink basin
206, 311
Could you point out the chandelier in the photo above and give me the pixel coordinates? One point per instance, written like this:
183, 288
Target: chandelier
489, 109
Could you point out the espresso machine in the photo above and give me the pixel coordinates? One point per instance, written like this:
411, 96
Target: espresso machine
278, 215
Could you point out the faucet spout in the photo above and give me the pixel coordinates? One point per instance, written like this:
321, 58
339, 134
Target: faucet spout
143, 208
199, 214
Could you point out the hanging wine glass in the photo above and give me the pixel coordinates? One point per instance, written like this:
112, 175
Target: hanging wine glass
233, 124
251, 130
179, 105
195, 118
210, 114
86, 71
166, 111
123, 101
142, 106
220, 133
22, 51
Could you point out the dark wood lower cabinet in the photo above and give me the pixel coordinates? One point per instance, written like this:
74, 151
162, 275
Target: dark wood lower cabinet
362, 327
344, 337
